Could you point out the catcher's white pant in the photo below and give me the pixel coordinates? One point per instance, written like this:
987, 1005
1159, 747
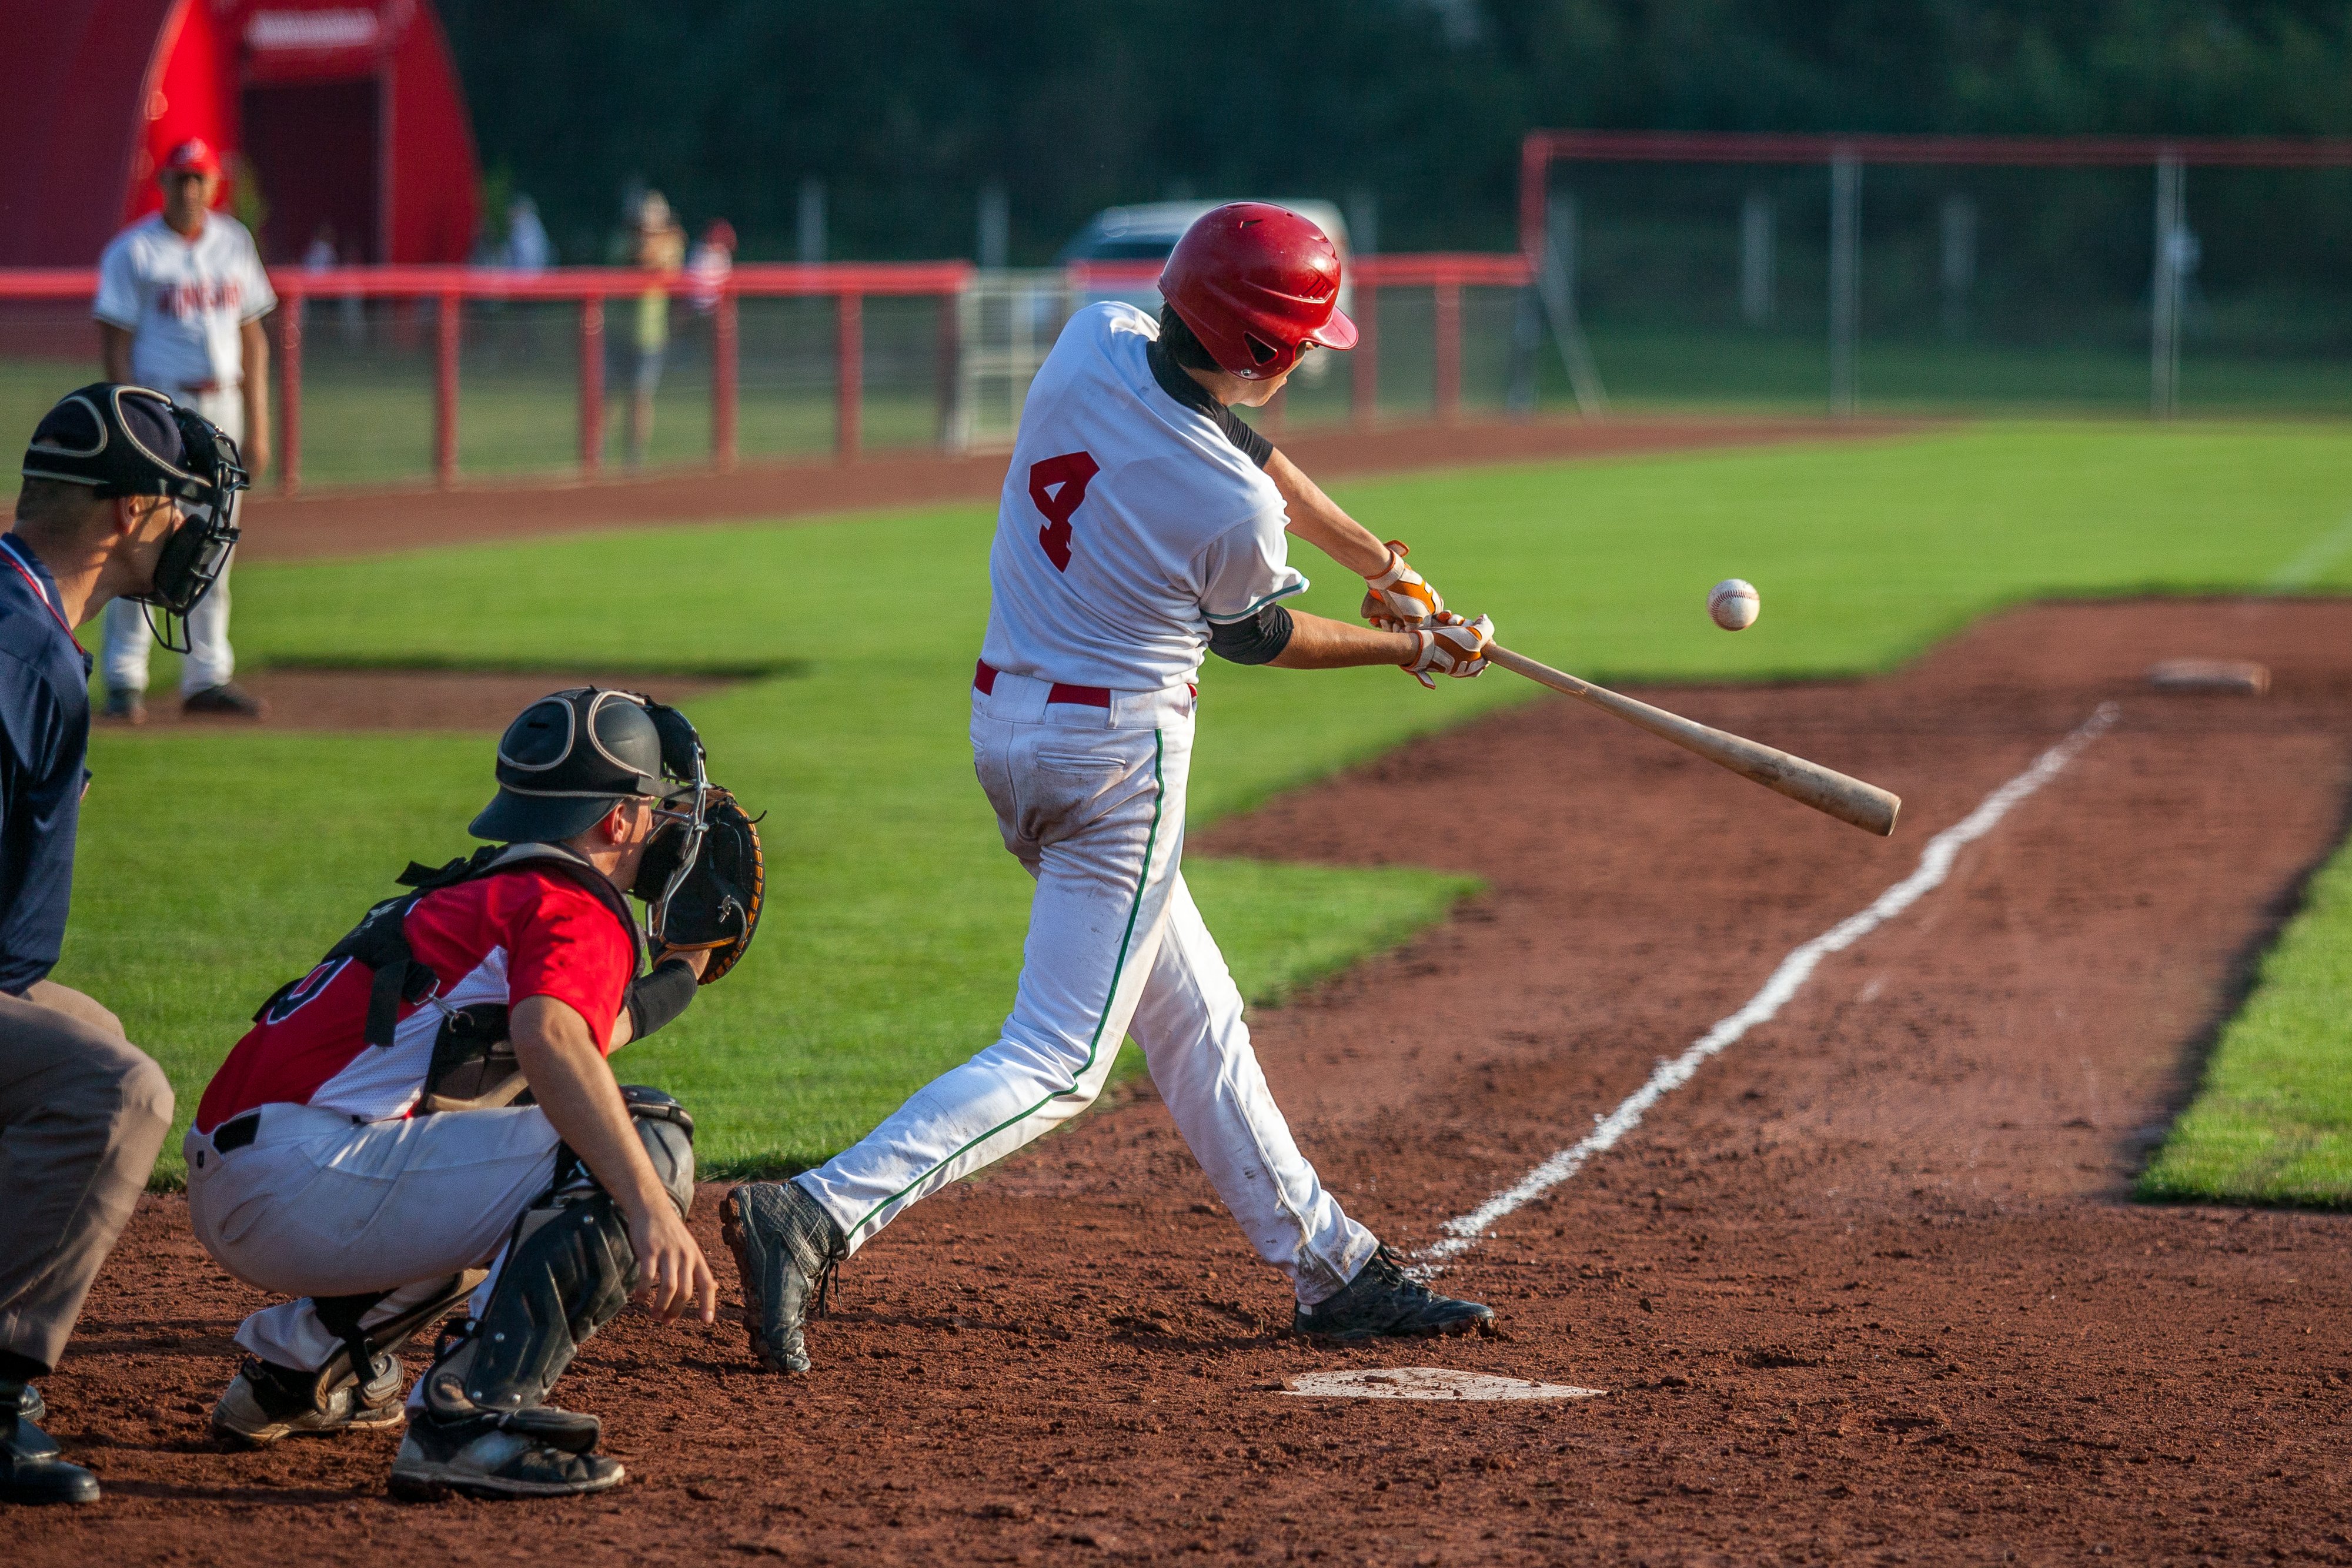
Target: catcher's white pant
1091, 799
318, 1205
209, 661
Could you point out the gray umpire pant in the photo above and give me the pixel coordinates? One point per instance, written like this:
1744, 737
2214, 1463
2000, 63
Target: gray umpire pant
82, 1113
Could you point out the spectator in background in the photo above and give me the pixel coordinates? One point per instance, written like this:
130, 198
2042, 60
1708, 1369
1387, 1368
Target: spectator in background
707, 268
181, 296
660, 251
527, 250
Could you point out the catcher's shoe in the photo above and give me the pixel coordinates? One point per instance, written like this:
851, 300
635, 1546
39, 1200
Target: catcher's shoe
267, 1402
1384, 1302
539, 1452
786, 1248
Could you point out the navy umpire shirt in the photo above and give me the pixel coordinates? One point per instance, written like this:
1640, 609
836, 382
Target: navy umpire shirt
44, 739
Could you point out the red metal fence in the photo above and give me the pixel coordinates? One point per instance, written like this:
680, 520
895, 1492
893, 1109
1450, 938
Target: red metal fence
443, 291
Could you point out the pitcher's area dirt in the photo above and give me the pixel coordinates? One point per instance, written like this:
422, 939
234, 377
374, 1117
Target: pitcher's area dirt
1870, 1288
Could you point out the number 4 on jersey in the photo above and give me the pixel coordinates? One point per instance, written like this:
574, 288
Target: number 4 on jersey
1071, 472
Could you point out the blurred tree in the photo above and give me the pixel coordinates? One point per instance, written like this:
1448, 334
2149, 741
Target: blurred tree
907, 108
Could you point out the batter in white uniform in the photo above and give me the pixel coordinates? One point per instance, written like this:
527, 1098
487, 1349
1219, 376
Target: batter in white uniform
1141, 525
181, 295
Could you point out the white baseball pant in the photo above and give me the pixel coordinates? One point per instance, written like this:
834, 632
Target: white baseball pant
1091, 800
318, 1205
209, 661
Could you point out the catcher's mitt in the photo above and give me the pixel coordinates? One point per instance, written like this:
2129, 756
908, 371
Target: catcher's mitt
717, 907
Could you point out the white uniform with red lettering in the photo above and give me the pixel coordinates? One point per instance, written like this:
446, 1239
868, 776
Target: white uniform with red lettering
184, 303
1129, 523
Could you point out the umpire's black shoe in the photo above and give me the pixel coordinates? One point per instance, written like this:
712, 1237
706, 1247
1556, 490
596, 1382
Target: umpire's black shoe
30, 1470
540, 1452
1384, 1302
786, 1246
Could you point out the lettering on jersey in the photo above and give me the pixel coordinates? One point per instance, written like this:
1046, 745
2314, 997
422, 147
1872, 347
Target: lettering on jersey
189, 300
306, 988
1072, 472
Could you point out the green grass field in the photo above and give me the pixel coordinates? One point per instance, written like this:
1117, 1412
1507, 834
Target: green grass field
2272, 1120
216, 865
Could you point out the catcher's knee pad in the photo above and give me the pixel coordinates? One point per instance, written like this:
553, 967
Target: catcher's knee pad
569, 1268
668, 1134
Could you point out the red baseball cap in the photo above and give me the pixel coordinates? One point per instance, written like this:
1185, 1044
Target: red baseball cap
194, 156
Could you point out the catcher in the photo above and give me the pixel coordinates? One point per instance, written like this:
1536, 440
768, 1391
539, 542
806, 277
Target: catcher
428, 1114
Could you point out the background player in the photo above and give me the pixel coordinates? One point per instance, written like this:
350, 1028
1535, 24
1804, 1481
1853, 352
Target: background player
181, 295
361, 1148
1142, 522
119, 485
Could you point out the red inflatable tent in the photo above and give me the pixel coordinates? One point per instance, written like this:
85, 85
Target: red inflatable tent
343, 112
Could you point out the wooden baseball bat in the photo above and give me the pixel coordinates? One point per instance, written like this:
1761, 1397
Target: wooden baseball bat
1866, 806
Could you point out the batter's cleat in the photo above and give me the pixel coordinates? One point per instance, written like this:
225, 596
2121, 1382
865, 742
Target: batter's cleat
267, 1402
1383, 1301
124, 705
527, 1453
786, 1248
226, 700
30, 1470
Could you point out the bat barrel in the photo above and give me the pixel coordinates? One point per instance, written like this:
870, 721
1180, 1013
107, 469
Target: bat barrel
1850, 800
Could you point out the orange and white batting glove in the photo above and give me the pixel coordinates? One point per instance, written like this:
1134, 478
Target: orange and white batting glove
1450, 645
1400, 599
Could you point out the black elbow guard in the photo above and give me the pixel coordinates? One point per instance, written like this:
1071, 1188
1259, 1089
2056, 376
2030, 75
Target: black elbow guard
1259, 640
657, 998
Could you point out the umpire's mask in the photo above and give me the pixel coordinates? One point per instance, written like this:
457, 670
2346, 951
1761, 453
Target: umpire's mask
570, 758
122, 440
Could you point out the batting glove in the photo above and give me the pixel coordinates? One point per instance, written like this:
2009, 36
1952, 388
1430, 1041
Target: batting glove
1450, 647
1400, 596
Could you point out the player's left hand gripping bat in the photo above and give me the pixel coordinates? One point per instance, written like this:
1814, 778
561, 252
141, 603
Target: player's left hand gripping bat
1866, 806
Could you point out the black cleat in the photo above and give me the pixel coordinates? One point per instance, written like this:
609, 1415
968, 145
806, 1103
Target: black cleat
1384, 1302
536, 1452
226, 700
125, 706
30, 1470
786, 1246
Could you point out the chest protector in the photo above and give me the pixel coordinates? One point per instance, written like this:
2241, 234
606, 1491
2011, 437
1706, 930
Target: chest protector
473, 1066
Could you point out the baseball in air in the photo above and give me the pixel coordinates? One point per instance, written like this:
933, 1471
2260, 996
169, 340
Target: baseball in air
1734, 604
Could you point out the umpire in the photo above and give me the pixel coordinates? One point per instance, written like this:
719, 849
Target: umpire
125, 496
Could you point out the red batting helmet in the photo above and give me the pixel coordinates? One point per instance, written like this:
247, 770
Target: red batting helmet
1256, 284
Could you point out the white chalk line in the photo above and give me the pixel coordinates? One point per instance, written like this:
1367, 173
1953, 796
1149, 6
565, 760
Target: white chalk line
2315, 557
1935, 865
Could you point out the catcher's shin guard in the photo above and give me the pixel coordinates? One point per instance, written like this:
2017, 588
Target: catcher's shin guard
568, 1270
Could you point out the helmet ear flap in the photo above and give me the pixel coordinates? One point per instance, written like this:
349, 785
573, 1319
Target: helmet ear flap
1260, 350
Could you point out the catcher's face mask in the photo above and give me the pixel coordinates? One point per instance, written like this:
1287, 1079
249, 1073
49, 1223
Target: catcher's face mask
124, 440
670, 855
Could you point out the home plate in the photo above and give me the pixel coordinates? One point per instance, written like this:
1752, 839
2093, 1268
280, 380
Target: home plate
2210, 675
1426, 1383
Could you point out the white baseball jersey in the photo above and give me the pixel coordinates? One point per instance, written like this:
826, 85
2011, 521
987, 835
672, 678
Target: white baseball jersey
1131, 522
183, 300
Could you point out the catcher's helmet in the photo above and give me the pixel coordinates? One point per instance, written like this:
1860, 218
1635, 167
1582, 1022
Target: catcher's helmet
569, 758
1256, 283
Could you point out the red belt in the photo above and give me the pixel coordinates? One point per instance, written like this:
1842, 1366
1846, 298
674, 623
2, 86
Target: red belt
984, 677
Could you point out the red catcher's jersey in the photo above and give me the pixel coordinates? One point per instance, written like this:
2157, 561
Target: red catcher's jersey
523, 933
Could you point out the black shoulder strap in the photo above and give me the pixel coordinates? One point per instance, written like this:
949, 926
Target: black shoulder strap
380, 940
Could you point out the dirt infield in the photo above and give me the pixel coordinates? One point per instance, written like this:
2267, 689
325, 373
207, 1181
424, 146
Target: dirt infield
366, 522
1869, 1288
405, 699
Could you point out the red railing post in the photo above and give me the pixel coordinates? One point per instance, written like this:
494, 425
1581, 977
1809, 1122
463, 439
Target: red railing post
849, 371
592, 384
1364, 364
1449, 351
722, 378
444, 392
290, 395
